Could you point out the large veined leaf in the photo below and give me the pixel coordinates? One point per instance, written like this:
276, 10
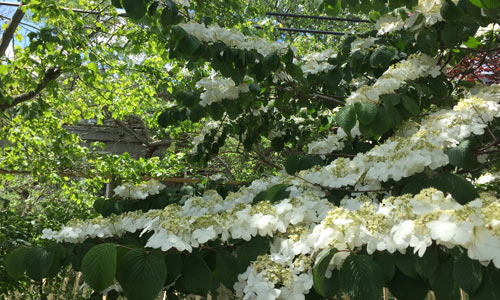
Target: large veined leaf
249, 252
365, 112
326, 287
467, 273
460, 188
99, 266
488, 4
346, 118
14, 263
361, 278
173, 262
489, 289
462, 155
135, 9
142, 274
196, 276
426, 265
226, 269
406, 288
38, 262
443, 285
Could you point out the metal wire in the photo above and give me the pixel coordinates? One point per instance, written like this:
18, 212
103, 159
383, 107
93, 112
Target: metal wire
306, 30
317, 17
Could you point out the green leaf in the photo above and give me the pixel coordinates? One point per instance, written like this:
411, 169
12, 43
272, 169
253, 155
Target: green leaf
169, 15
382, 122
361, 278
135, 9
387, 264
391, 99
326, 287
332, 7
173, 262
406, 288
196, 276
142, 274
467, 273
99, 266
460, 188
271, 62
427, 40
410, 105
14, 263
450, 12
472, 42
278, 144
489, 289
382, 57
38, 261
443, 285
117, 3
277, 192
248, 252
365, 111
226, 269
449, 34
488, 4
426, 265
463, 155
296, 163
346, 118
406, 263
254, 88
188, 44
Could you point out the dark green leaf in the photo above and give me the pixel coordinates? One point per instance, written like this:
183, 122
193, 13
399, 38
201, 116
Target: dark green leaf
196, 276
450, 12
406, 263
188, 44
382, 57
386, 263
248, 252
14, 263
365, 111
135, 9
326, 287
277, 144
142, 274
361, 278
173, 262
467, 273
390, 99
99, 266
410, 105
271, 62
462, 156
346, 118
38, 261
443, 285
406, 288
460, 188
427, 40
226, 269
489, 289
169, 15
277, 192
427, 264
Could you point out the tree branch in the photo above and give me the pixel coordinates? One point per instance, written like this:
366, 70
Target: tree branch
11, 29
50, 75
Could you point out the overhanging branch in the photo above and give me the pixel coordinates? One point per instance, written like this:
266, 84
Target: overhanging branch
11, 29
50, 75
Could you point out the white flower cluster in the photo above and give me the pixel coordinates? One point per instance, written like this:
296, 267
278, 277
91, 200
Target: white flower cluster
207, 128
234, 38
363, 44
219, 88
429, 9
139, 191
396, 224
334, 142
305, 223
317, 62
414, 150
414, 67
488, 178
